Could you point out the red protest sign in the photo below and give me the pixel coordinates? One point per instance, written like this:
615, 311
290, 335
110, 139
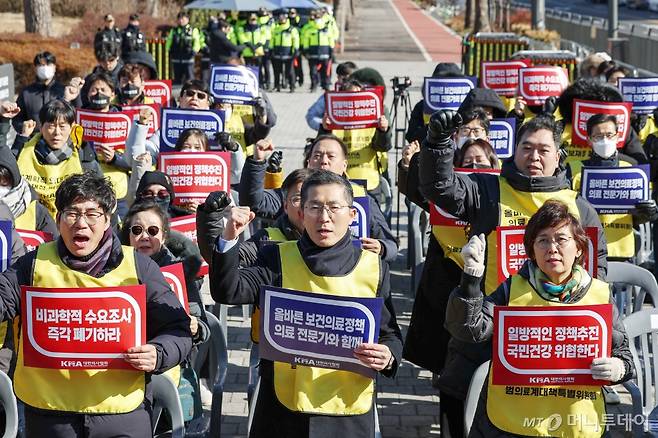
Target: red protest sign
549, 345
502, 76
175, 277
32, 239
536, 84
354, 109
83, 328
512, 254
154, 114
186, 225
584, 109
109, 129
159, 91
196, 174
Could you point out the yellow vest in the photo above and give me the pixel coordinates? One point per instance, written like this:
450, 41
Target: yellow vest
46, 178
507, 411
317, 390
118, 178
516, 208
451, 240
82, 391
277, 235
28, 220
618, 228
648, 128
362, 160
235, 125
574, 152
358, 190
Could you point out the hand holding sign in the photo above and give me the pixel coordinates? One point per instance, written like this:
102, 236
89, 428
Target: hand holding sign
375, 356
105, 153
372, 245
473, 255
611, 369
238, 220
143, 357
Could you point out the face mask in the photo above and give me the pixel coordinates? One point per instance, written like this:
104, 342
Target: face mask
4, 190
476, 166
163, 203
460, 141
129, 91
99, 101
605, 148
319, 22
45, 72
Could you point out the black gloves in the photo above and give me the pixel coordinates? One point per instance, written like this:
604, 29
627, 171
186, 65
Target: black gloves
441, 127
274, 162
216, 201
645, 211
550, 105
226, 142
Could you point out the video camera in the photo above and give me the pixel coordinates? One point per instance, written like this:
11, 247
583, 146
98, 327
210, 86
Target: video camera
401, 84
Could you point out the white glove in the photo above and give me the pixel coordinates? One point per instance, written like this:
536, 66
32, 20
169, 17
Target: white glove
608, 368
473, 255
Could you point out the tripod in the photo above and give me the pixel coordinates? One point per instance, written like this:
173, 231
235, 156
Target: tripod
400, 123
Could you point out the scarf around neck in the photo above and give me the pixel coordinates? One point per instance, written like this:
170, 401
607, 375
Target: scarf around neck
568, 292
18, 198
46, 155
93, 263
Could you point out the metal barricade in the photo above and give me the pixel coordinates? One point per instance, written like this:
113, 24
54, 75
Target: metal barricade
558, 58
157, 48
489, 46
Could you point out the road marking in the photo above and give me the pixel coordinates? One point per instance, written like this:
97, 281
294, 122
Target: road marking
411, 34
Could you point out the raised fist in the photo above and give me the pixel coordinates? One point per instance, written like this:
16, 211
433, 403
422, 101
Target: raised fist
442, 126
216, 201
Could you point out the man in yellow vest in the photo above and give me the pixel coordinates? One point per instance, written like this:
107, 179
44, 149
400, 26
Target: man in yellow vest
98, 402
322, 261
618, 228
528, 179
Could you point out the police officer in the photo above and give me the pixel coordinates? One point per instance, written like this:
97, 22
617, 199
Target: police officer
108, 35
324, 260
183, 42
317, 45
254, 38
296, 21
132, 38
266, 24
284, 48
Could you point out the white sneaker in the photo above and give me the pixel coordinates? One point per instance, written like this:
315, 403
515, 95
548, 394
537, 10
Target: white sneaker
206, 395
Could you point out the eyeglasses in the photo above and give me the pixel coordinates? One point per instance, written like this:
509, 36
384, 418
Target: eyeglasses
317, 209
296, 201
607, 135
152, 231
465, 130
199, 94
162, 194
91, 217
546, 243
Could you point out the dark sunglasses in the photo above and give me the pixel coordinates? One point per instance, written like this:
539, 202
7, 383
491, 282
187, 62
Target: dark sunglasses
162, 194
199, 94
152, 231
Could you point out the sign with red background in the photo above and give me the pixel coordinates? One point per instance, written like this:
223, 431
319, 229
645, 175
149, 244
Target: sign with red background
584, 109
186, 225
196, 174
109, 129
354, 109
502, 76
32, 239
154, 114
175, 277
536, 84
159, 91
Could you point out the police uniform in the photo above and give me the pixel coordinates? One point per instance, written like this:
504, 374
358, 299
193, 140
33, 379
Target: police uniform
132, 40
306, 401
284, 48
182, 44
317, 42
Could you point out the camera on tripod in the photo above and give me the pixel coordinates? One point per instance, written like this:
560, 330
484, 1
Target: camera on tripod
400, 84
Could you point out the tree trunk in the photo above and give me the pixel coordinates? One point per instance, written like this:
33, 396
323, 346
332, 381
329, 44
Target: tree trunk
469, 18
153, 8
482, 16
38, 17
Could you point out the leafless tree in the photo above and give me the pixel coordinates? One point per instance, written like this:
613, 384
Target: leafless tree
482, 16
38, 17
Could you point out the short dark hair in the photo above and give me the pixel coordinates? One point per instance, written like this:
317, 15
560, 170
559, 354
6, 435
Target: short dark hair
86, 186
189, 133
107, 51
538, 123
56, 109
102, 77
6, 174
221, 24
554, 214
129, 71
138, 207
597, 119
195, 84
488, 151
48, 57
311, 145
295, 177
182, 14
617, 69
323, 178
474, 113
346, 68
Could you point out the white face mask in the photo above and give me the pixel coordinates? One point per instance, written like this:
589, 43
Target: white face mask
319, 21
605, 148
460, 141
4, 190
45, 72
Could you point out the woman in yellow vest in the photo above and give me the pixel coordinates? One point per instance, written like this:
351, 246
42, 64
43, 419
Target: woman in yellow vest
618, 228
307, 401
552, 277
55, 153
70, 403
